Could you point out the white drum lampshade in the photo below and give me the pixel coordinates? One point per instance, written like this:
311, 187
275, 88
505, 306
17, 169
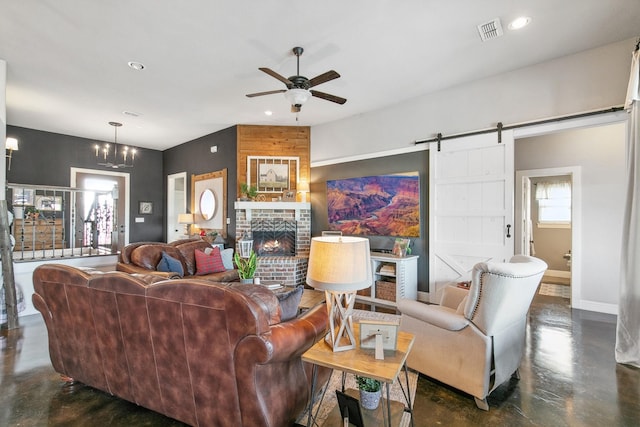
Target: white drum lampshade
341, 266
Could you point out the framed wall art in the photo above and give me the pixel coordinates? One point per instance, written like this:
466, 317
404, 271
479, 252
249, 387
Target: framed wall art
381, 205
48, 203
145, 208
273, 174
23, 196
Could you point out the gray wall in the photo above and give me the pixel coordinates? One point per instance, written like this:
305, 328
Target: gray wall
195, 158
45, 158
418, 161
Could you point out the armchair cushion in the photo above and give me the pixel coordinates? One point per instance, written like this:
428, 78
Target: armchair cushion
437, 315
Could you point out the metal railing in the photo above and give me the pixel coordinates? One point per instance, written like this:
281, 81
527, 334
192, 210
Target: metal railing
61, 222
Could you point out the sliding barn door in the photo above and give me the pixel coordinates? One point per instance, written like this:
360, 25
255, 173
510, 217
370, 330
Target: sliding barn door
470, 206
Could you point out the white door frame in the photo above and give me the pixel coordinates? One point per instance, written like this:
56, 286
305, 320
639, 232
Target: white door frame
523, 196
174, 206
127, 192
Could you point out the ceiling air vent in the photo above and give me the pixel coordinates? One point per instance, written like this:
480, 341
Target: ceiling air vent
490, 30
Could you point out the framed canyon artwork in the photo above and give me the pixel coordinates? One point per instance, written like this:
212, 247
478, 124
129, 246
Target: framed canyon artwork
382, 205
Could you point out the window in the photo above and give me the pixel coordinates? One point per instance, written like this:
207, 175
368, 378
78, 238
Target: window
554, 204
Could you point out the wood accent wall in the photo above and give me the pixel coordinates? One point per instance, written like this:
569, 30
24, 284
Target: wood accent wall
274, 141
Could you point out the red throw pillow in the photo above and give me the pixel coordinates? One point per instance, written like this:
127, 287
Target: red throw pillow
211, 263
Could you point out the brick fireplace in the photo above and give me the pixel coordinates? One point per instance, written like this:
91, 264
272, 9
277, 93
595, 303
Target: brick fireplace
273, 265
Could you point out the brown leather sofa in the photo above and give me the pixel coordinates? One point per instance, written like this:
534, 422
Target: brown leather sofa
143, 258
203, 353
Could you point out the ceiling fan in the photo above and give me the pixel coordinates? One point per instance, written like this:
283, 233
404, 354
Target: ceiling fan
297, 91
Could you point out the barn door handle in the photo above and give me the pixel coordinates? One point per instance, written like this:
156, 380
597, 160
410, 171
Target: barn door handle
508, 231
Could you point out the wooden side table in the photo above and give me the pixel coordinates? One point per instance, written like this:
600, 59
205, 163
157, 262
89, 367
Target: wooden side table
363, 362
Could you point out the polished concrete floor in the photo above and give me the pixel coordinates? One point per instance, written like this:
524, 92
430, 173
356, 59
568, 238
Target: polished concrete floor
568, 378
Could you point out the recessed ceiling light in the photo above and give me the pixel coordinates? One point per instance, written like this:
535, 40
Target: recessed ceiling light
138, 66
519, 22
268, 113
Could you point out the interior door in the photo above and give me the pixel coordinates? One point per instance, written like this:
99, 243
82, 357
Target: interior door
176, 204
470, 206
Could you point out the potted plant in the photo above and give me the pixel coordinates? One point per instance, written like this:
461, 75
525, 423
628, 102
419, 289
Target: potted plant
246, 266
31, 212
370, 390
248, 192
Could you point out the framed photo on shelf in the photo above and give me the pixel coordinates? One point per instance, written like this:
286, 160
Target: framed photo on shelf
145, 208
289, 196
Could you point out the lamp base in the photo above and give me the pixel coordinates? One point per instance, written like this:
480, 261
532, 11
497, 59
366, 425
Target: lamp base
340, 309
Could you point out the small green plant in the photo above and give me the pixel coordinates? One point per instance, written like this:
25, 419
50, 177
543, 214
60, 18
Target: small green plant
246, 266
250, 191
31, 212
367, 384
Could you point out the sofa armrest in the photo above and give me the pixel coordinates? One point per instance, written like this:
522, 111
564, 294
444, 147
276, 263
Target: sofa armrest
134, 269
286, 340
442, 317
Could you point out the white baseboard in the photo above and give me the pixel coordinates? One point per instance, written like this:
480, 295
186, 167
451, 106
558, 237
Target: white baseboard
558, 273
599, 307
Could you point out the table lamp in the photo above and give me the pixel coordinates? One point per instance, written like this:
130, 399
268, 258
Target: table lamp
303, 187
341, 266
187, 220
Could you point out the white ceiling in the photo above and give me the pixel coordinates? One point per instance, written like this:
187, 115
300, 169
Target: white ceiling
67, 59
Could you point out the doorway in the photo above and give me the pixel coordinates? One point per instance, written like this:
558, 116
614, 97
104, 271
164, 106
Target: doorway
109, 230
176, 204
549, 216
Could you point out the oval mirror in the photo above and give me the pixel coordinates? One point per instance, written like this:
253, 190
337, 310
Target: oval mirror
207, 204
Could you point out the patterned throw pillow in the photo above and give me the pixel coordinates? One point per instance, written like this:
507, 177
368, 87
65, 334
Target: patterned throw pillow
170, 264
211, 263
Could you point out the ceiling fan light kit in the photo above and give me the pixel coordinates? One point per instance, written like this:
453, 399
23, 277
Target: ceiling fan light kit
297, 92
297, 96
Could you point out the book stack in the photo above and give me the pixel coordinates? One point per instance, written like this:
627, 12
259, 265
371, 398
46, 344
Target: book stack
272, 285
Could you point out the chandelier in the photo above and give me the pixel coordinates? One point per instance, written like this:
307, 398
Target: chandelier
118, 157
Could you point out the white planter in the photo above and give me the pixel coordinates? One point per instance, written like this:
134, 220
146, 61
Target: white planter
369, 399
18, 212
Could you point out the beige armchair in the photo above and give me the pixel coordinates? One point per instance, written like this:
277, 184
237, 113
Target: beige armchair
474, 340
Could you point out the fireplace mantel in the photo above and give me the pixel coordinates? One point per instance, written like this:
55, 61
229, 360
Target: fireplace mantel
295, 206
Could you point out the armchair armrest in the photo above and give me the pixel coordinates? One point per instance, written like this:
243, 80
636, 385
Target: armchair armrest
442, 317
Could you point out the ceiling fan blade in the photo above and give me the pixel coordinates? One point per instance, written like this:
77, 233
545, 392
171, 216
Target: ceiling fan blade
269, 92
328, 97
323, 78
277, 76
296, 108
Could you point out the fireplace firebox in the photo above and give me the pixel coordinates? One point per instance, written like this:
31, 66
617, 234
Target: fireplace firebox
274, 237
